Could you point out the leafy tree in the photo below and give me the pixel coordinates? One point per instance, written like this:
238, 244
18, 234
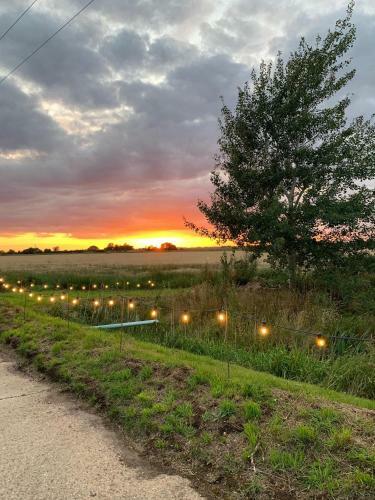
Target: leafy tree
168, 247
31, 251
291, 177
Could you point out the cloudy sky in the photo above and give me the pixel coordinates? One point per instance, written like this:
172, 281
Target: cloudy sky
109, 132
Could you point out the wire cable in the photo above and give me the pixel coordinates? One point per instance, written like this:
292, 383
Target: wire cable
17, 20
2, 80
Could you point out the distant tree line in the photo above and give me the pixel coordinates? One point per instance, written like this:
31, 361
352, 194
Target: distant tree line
110, 248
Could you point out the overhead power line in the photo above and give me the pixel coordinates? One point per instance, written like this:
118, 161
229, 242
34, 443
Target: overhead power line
17, 20
2, 80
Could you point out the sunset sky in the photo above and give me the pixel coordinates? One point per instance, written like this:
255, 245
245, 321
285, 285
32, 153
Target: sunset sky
108, 133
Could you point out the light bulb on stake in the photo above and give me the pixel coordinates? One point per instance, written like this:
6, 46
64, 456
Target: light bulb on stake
111, 302
264, 329
75, 301
131, 304
185, 317
154, 313
96, 303
62, 296
222, 317
320, 341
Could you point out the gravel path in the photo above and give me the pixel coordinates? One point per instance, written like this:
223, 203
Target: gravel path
52, 449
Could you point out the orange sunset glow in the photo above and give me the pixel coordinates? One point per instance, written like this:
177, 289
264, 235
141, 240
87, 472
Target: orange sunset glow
182, 239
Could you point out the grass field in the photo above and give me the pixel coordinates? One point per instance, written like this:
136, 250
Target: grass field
103, 263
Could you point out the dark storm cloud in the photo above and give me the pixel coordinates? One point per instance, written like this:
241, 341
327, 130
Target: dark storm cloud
118, 114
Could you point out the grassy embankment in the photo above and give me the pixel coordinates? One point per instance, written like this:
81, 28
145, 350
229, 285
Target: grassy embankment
252, 435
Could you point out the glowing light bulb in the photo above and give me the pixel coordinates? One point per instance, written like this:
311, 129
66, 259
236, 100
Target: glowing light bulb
106, 286
6, 286
45, 287
32, 285
83, 287
75, 301
31, 295
96, 303
57, 286
52, 299
18, 282
63, 296
264, 329
1, 280
117, 283
21, 290
71, 288
152, 284
154, 313
40, 298
128, 283
138, 285
222, 317
149, 282
14, 290
320, 341
111, 302
185, 317
131, 304
95, 286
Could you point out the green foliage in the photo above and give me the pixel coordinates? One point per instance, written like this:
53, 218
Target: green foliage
362, 456
146, 373
251, 431
341, 438
321, 475
305, 434
146, 398
362, 479
251, 410
285, 460
227, 408
324, 419
290, 172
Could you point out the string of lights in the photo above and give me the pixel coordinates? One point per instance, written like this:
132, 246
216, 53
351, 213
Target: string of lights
264, 327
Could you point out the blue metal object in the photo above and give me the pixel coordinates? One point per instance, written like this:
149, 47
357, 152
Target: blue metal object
128, 324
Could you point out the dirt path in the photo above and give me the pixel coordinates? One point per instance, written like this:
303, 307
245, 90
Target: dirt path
51, 449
